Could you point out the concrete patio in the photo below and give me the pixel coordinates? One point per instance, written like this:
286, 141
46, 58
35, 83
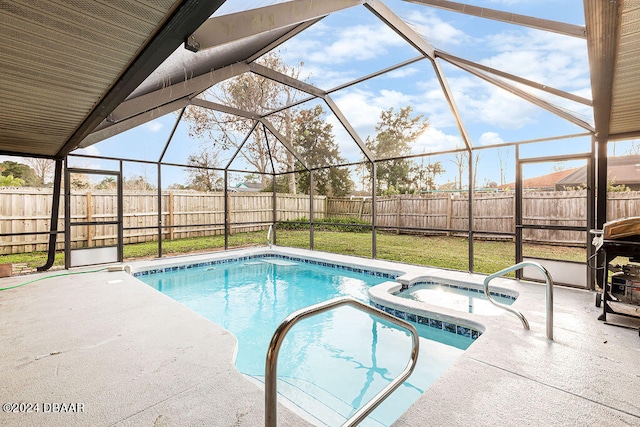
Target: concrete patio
132, 356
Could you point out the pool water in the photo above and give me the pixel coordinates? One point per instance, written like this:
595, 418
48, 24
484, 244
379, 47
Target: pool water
456, 298
329, 365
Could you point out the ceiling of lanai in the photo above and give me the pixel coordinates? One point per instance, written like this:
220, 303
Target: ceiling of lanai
76, 74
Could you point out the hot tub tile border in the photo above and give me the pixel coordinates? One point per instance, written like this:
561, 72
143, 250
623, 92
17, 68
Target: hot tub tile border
450, 327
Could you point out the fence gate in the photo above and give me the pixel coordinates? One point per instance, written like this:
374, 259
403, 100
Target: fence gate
82, 223
560, 217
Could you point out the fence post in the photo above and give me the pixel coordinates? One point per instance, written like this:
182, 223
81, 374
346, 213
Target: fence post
171, 219
398, 212
228, 213
89, 219
449, 212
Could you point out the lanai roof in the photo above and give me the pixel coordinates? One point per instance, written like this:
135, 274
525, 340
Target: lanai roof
74, 74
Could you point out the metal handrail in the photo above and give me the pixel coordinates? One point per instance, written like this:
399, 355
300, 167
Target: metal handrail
270, 375
549, 282
269, 241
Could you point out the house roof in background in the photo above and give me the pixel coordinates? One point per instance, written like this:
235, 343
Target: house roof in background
542, 182
620, 170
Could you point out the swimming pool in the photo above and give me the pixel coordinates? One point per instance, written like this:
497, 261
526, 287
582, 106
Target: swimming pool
456, 297
330, 364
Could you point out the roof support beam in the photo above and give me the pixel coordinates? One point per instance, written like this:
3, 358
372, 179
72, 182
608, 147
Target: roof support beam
190, 87
284, 142
448, 94
132, 122
244, 141
285, 79
528, 97
188, 16
508, 17
400, 27
235, 26
351, 83
345, 123
454, 60
424, 47
297, 30
224, 109
602, 42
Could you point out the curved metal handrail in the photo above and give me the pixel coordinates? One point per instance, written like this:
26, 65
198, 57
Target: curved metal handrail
270, 375
549, 282
269, 241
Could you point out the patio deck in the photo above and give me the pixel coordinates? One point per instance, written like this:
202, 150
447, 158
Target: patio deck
133, 356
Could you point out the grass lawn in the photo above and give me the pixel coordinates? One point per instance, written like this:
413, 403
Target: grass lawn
435, 251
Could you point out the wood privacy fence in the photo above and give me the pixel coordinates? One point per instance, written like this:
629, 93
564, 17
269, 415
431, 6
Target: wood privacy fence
184, 214
493, 213
191, 214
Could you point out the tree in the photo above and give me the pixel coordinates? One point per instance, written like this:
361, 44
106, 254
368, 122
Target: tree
22, 171
137, 182
43, 168
634, 149
395, 132
10, 181
107, 183
503, 166
423, 176
462, 163
202, 177
256, 94
314, 140
80, 181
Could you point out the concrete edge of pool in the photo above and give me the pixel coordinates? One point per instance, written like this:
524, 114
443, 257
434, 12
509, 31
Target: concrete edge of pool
133, 356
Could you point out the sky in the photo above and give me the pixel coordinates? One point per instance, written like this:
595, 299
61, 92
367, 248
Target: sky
354, 42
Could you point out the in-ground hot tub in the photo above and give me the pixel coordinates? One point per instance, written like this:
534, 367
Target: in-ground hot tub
459, 297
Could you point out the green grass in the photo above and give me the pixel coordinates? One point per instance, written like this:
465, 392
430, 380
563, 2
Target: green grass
435, 251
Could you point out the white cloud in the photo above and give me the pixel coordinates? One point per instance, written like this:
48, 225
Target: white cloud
435, 30
361, 109
547, 58
85, 163
434, 140
154, 126
490, 138
91, 150
355, 43
326, 77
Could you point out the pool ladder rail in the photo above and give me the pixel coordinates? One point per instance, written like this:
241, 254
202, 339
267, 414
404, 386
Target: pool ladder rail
549, 304
269, 236
271, 393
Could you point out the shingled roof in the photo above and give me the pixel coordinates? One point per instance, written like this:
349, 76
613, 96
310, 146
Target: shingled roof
544, 182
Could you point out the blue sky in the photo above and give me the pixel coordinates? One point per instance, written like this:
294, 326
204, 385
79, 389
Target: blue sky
354, 42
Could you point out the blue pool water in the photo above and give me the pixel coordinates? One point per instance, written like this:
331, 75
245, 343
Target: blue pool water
329, 365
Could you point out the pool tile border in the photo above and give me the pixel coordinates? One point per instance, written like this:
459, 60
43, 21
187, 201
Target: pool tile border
375, 273
434, 323
453, 328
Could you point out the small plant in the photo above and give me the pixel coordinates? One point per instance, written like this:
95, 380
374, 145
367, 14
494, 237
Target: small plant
345, 225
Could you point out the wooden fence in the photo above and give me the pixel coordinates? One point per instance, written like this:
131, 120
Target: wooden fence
184, 214
191, 214
492, 212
